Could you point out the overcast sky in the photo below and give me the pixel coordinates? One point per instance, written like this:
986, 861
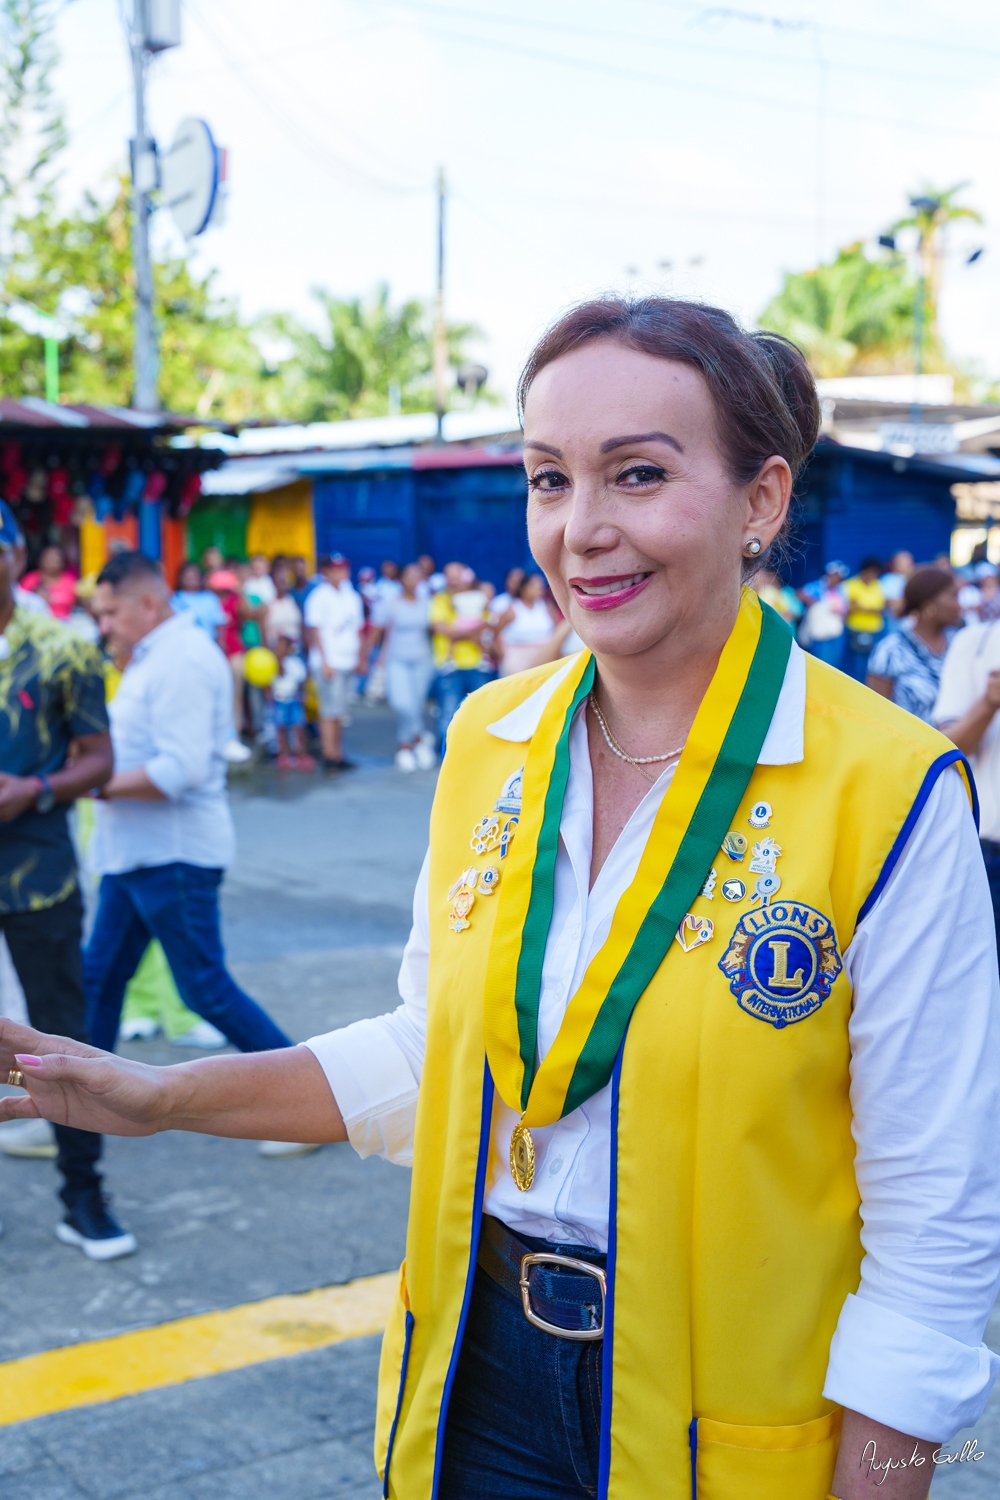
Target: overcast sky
585, 145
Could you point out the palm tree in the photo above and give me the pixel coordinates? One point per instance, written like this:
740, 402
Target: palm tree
932, 209
851, 316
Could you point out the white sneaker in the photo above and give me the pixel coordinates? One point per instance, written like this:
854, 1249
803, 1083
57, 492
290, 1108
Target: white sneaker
236, 753
28, 1138
139, 1029
202, 1034
405, 760
425, 757
286, 1148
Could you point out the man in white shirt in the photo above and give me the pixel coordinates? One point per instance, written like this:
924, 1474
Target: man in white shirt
164, 833
334, 617
966, 711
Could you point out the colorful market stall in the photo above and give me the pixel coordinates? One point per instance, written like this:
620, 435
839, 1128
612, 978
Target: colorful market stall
92, 479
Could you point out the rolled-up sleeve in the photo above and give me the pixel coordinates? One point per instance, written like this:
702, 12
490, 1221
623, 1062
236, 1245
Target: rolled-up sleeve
373, 1067
181, 718
925, 1092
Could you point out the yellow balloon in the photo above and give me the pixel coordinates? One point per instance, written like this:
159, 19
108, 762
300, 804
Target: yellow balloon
260, 666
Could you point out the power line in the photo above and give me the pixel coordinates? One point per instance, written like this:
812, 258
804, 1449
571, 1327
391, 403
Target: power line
895, 40
635, 75
287, 122
601, 33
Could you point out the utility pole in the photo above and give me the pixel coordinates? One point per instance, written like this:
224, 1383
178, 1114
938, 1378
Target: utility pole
145, 356
919, 299
440, 345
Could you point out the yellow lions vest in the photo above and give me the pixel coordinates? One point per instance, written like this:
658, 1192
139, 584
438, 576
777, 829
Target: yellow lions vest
734, 1235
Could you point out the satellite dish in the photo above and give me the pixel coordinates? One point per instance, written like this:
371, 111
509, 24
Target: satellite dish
192, 174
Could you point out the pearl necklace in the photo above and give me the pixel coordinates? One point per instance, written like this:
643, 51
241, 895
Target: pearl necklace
634, 760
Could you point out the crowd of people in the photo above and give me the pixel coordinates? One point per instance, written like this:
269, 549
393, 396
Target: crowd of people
419, 637
924, 636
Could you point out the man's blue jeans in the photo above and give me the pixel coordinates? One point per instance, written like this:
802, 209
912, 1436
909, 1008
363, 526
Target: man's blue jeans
179, 905
450, 689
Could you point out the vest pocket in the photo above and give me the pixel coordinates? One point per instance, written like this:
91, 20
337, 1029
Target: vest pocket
395, 1354
766, 1463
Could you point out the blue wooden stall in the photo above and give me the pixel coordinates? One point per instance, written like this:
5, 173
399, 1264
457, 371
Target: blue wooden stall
854, 502
465, 505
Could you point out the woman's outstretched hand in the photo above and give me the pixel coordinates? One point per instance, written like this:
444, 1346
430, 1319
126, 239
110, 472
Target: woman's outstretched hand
72, 1084
278, 1096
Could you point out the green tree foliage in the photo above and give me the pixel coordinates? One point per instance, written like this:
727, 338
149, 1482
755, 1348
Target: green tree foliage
32, 132
371, 358
78, 267
852, 316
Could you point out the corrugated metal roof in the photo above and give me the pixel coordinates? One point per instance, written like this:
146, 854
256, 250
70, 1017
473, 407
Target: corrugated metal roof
32, 411
408, 430
955, 467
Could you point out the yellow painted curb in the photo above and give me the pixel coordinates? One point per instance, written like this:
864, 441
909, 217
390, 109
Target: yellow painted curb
104, 1370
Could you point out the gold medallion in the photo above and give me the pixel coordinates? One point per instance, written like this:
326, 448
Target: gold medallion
522, 1158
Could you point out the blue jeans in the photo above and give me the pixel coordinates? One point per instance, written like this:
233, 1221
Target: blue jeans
179, 905
832, 652
450, 689
524, 1421
857, 651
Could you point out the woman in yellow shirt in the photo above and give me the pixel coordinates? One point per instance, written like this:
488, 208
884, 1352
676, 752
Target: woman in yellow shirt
865, 616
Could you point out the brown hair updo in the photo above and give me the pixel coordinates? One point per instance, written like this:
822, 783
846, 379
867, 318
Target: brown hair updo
764, 395
923, 585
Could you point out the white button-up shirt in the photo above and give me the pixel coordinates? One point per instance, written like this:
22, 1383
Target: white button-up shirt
972, 656
172, 716
925, 1087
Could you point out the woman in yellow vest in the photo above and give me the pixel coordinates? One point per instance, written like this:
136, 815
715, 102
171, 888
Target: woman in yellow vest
697, 1061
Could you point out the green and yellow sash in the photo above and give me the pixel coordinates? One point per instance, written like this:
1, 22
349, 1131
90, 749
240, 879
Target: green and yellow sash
694, 817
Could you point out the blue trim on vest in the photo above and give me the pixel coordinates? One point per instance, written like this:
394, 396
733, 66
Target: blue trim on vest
693, 1445
399, 1403
949, 758
607, 1354
477, 1224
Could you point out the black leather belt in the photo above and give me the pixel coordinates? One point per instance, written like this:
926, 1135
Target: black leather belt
561, 1294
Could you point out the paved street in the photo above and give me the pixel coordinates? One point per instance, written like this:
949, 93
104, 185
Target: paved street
316, 912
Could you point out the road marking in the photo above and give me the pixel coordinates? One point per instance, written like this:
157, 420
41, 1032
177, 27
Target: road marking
106, 1369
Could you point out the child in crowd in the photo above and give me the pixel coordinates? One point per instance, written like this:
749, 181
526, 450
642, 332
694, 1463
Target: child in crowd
287, 712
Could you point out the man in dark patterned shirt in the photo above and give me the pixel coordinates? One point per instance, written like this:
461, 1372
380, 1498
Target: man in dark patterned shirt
54, 747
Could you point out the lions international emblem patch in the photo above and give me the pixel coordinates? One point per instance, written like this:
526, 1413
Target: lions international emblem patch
782, 962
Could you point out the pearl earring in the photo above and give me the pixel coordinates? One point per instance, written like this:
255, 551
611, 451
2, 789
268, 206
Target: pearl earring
752, 547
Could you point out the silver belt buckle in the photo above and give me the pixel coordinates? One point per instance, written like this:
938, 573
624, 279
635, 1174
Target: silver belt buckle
549, 1258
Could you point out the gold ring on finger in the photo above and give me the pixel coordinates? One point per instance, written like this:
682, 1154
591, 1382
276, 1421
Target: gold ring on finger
15, 1079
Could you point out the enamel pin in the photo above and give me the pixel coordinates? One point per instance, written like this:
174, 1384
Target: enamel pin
735, 845
470, 884
765, 855
461, 905
760, 815
695, 932
733, 890
708, 889
767, 887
